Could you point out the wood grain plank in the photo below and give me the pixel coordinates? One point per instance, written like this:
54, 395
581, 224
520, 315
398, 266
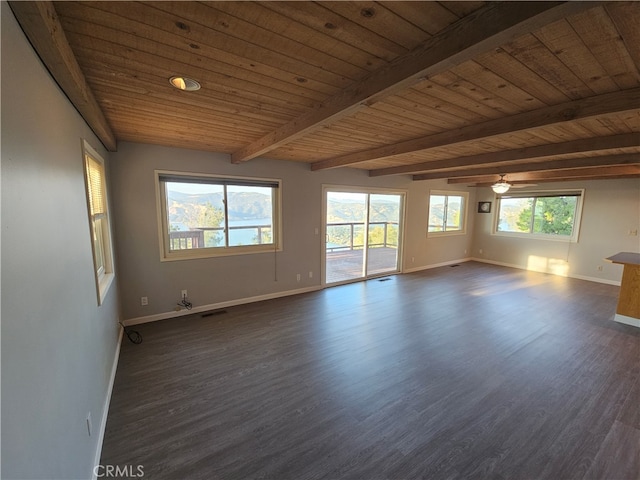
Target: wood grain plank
434, 113
480, 32
632, 170
579, 164
561, 39
590, 107
629, 299
430, 17
626, 18
476, 74
294, 39
618, 455
462, 8
600, 35
522, 76
473, 110
126, 95
477, 371
524, 153
201, 62
376, 17
216, 96
531, 52
315, 15
452, 81
41, 24
258, 40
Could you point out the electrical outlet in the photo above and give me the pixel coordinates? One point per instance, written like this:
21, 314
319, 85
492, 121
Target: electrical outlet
633, 233
298, 277
600, 268
144, 301
310, 274
480, 251
184, 294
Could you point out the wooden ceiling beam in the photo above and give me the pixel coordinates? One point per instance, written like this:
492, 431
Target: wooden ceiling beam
540, 151
605, 160
481, 31
591, 107
41, 25
565, 174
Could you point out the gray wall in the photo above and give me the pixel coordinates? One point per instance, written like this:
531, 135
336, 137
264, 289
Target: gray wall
611, 208
610, 211
58, 346
234, 278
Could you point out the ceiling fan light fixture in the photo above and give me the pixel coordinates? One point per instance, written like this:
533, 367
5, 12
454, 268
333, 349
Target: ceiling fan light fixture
184, 83
501, 186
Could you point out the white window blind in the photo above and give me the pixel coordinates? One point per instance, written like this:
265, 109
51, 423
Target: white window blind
95, 174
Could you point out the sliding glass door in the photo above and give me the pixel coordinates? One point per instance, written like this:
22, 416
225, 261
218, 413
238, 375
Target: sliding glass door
384, 224
362, 234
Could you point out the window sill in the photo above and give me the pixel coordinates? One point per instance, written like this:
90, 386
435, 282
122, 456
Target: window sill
193, 254
530, 236
446, 234
104, 285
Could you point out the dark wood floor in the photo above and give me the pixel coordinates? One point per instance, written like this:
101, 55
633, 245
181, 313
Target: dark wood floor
476, 371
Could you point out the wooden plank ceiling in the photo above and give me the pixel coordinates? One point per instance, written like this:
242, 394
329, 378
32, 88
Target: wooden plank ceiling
459, 90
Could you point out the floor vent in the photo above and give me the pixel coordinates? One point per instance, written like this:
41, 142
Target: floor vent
214, 312
455, 265
386, 279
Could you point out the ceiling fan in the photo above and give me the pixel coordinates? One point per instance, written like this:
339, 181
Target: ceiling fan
502, 186
502, 181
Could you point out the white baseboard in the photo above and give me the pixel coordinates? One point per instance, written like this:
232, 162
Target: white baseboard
436, 265
105, 408
217, 306
270, 296
634, 322
596, 279
522, 267
258, 298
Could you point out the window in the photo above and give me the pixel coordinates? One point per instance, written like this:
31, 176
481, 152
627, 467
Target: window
447, 212
205, 215
552, 215
97, 205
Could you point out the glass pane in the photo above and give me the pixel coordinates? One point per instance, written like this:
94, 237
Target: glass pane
554, 215
195, 215
454, 213
515, 215
384, 219
346, 215
250, 211
436, 213
98, 245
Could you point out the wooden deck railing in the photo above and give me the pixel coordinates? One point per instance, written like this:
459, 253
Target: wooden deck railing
350, 245
195, 238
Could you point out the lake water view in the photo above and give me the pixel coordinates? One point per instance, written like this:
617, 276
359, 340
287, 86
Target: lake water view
237, 236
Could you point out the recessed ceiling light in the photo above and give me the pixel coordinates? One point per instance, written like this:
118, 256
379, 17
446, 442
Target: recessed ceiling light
184, 83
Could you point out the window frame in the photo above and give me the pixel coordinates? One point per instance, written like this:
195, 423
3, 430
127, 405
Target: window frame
166, 254
575, 234
463, 214
99, 223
